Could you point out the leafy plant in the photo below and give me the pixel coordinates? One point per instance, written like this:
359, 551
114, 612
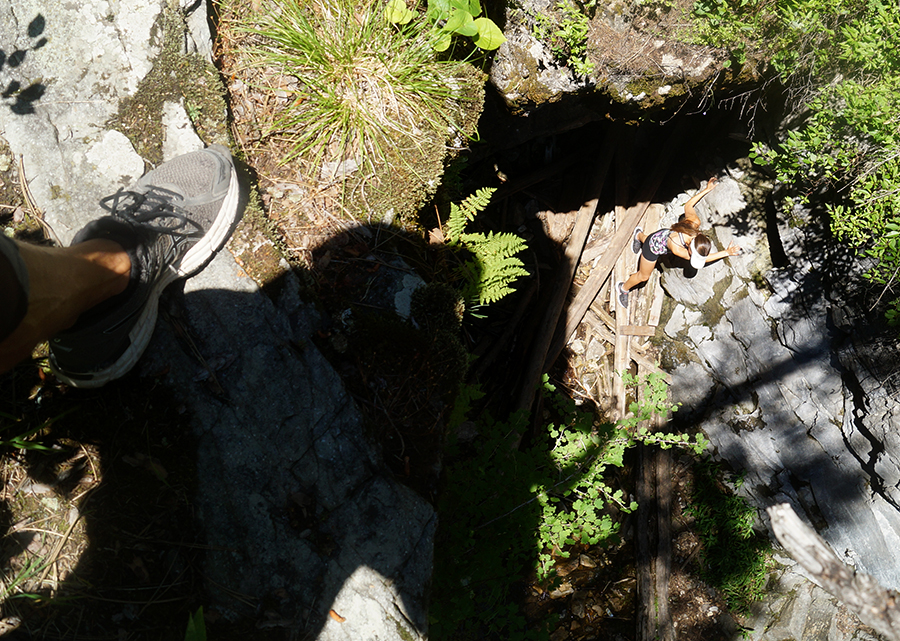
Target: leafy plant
566, 36
510, 512
23, 439
493, 266
196, 627
735, 558
840, 64
452, 17
358, 85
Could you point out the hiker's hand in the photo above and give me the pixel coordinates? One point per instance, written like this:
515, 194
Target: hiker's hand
733, 250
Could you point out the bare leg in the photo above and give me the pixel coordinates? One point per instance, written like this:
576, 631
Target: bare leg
645, 268
63, 283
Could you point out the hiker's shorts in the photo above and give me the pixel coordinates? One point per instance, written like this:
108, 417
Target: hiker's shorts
13, 287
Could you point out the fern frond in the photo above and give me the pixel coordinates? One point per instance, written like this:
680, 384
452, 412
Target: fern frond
494, 266
462, 214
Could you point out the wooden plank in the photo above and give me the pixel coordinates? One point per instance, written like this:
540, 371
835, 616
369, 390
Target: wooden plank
565, 273
603, 315
598, 328
621, 358
645, 529
600, 273
656, 306
636, 330
652, 218
654, 549
665, 631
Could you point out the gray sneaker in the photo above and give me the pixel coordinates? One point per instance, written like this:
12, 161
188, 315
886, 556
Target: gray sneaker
171, 222
623, 295
635, 243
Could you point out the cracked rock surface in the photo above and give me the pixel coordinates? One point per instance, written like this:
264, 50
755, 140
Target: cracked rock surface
793, 388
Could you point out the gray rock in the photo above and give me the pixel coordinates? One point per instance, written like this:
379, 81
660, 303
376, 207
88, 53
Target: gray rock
794, 398
295, 501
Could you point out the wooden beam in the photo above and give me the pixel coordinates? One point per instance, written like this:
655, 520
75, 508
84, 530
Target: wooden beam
600, 273
564, 275
636, 330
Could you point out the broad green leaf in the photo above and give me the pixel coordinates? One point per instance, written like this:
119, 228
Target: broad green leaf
438, 9
443, 41
489, 35
396, 12
461, 22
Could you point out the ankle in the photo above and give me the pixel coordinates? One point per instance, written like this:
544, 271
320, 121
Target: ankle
104, 253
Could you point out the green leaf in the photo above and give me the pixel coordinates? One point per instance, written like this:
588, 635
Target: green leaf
196, 628
461, 22
443, 41
438, 9
489, 35
396, 12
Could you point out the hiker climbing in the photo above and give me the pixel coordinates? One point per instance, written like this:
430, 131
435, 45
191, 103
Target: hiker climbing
682, 239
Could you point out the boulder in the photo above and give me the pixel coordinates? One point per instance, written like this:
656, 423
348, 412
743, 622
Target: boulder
634, 57
297, 507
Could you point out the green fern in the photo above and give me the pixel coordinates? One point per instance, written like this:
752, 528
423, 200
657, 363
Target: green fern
464, 213
493, 266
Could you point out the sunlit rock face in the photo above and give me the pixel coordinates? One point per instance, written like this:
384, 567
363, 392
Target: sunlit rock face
638, 58
789, 376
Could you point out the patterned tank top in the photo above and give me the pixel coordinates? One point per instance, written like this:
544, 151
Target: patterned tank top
658, 240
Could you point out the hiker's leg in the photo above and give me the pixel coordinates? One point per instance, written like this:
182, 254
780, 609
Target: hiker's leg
59, 283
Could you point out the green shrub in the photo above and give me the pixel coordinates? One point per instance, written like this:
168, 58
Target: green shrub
566, 35
840, 63
508, 512
365, 87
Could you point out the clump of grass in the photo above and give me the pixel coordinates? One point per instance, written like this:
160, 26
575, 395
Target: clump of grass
736, 558
362, 87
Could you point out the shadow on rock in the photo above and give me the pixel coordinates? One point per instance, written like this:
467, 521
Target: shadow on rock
20, 97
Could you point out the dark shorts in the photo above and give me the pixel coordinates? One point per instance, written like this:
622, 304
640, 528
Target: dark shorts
13, 287
655, 245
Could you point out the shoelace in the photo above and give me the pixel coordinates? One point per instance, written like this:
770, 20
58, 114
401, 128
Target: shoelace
155, 211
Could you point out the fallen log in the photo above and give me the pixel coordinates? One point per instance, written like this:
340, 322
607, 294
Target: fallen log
875, 605
563, 280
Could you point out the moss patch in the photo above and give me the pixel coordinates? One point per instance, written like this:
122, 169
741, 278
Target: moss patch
175, 77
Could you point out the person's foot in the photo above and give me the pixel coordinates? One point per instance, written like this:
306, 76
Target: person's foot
623, 295
635, 243
171, 223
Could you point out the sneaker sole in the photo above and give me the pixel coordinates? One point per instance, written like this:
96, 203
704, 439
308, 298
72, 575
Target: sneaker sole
207, 247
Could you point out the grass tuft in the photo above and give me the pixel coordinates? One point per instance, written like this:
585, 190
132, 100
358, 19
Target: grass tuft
357, 86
